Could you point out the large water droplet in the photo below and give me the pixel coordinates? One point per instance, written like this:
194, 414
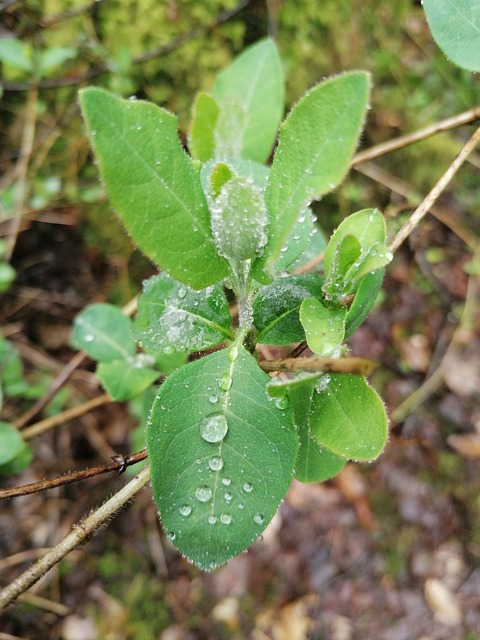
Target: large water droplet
226, 481
232, 353
225, 382
225, 518
247, 486
88, 337
186, 510
212, 519
214, 428
258, 518
215, 463
281, 403
182, 292
203, 494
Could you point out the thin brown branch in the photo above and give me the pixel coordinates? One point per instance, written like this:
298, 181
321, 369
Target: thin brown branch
434, 194
360, 366
119, 463
81, 532
402, 141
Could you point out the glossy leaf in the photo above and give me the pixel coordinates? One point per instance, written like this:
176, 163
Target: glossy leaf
324, 327
171, 317
276, 308
364, 300
124, 380
153, 185
250, 93
348, 418
455, 25
221, 453
104, 333
201, 140
316, 143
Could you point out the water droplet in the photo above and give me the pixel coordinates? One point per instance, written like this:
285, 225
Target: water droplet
258, 518
228, 496
171, 536
213, 399
225, 518
226, 482
212, 519
182, 292
214, 428
281, 403
186, 510
232, 353
203, 494
225, 382
241, 505
215, 463
169, 350
247, 486
88, 337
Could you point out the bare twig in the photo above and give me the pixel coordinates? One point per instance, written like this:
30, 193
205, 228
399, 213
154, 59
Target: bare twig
361, 366
81, 532
119, 463
424, 207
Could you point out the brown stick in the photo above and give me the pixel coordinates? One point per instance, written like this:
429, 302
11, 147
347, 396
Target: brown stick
360, 366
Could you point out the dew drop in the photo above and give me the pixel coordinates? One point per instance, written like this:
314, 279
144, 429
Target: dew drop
225, 518
171, 536
169, 350
186, 510
212, 519
215, 463
182, 292
241, 505
214, 428
88, 337
233, 354
226, 482
203, 494
227, 496
281, 403
258, 518
213, 399
225, 382
247, 487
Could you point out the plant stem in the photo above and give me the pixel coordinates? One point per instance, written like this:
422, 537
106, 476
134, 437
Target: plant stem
81, 531
360, 366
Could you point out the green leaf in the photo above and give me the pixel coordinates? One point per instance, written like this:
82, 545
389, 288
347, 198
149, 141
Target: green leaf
201, 139
153, 185
124, 380
276, 308
455, 25
174, 318
104, 333
316, 143
19, 463
297, 242
16, 53
221, 453
348, 418
250, 93
364, 300
314, 250
11, 442
7, 276
313, 463
356, 248
11, 370
55, 57
324, 328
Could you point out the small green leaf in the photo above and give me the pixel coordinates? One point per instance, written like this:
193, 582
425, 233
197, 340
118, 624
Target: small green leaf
324, 328
153, 185
276, 308
16, 53
55, 57
172, 317
364, 300
348, 418
104, 333
221, 453
11, 442
250, 93
201, 140
124, 380
313, 463
316, 143
455, 25
7, 276
11, 370
19, 463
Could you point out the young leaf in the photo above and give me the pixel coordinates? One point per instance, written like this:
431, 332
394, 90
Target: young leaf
348, 418
19, 463
276, 308
313, 463
124, 380
316, 143
324, 328
55, 57
221, 453
172, 317
104, 333
153, 185
364, 300
16, 53
201, 139
250, 93
11, 442
456, 29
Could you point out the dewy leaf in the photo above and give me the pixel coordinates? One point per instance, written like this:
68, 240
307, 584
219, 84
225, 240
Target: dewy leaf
348, 418
221, 453
172, 317
104, 333
297, 242
153, 185
276, 308
324, 328
253, 85
316, 143
124, 380
313, 463
455, 25
364, 300
201, 139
